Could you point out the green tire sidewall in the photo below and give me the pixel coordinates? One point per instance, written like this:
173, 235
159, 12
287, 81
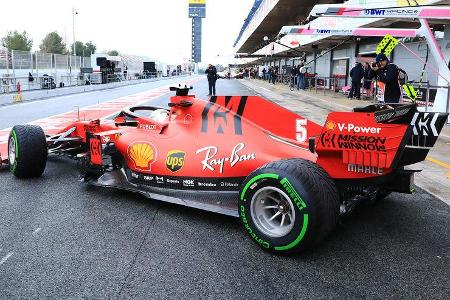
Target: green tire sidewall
13, 167
282, 181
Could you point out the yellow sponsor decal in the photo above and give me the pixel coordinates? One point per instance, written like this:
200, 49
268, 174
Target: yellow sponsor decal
175, 160
410, 91
197, 1
330, 125
387, 44
142, 154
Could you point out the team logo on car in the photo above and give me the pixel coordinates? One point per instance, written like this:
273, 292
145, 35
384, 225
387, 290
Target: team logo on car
175, 160
143, 155
330, 125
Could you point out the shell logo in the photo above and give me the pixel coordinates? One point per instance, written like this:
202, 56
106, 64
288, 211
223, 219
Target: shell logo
330, 125
143, 155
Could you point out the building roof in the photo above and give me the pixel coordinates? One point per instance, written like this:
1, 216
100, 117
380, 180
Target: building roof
267, 17
269, 25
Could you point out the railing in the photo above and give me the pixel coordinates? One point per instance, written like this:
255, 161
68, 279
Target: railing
9, 84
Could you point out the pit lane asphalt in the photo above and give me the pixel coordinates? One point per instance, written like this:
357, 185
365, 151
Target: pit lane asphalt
69, 240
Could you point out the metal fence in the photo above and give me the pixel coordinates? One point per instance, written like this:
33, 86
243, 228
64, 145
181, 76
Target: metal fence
17, 66
43, 61
335, 85
22, 60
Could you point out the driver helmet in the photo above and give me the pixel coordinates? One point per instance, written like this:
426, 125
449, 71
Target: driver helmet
159, 115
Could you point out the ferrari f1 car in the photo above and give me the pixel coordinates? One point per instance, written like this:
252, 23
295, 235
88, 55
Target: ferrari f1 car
287, 178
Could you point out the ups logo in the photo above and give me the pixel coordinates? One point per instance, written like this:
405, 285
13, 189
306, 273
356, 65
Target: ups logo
175, 160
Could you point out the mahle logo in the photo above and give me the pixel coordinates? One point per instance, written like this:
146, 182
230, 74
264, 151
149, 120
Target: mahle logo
175, 160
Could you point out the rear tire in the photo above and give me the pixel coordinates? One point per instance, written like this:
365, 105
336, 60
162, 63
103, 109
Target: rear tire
301, 195
27, 151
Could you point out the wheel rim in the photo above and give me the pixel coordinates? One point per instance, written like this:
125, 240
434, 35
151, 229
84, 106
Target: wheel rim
12, 151
272, 212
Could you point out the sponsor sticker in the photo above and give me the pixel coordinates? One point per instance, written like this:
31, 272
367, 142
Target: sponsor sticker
148, 178
229, 184
96, 151
364, 169
160, 179
213, 161
352, 128
353, 142
175, 160
172, 181
143, 154
424, 124
188, 182
206, 184
330, 125
147, 126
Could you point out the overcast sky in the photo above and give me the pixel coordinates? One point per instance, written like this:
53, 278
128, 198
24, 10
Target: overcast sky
160, 29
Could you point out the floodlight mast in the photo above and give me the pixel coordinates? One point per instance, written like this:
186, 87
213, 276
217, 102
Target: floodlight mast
422, 13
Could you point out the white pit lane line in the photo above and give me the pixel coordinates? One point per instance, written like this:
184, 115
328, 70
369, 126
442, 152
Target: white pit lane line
5, 258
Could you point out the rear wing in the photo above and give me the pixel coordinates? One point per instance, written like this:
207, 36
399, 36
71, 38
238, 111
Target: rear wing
385, 137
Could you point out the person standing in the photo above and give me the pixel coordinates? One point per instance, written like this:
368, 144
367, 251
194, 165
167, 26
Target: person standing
356, 74
367, 84
300, 76
293, 75
211, 74
387, 73
125, 72
273, 74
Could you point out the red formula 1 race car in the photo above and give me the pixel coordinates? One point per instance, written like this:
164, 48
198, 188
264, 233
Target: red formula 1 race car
287, 178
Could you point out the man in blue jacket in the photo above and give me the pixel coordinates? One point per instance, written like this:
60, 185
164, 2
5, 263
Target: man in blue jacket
212, 78
356, 74
388, 74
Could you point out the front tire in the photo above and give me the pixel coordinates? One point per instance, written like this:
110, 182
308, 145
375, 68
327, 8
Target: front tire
288, 206
27, 151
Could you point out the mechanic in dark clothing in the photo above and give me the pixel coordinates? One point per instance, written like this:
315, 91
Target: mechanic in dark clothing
356, 74
294, 73
212, 78
387, 73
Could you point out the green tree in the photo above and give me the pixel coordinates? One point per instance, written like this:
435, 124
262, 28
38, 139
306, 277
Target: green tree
53, 43
113, 53
79, 48
84, 49
17, 41
89, 48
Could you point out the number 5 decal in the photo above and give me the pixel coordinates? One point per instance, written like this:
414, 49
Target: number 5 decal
300, 129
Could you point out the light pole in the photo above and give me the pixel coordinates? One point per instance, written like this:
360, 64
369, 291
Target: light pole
74, 12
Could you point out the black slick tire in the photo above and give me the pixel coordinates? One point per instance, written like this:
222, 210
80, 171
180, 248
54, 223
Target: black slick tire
309, 192
29, 151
